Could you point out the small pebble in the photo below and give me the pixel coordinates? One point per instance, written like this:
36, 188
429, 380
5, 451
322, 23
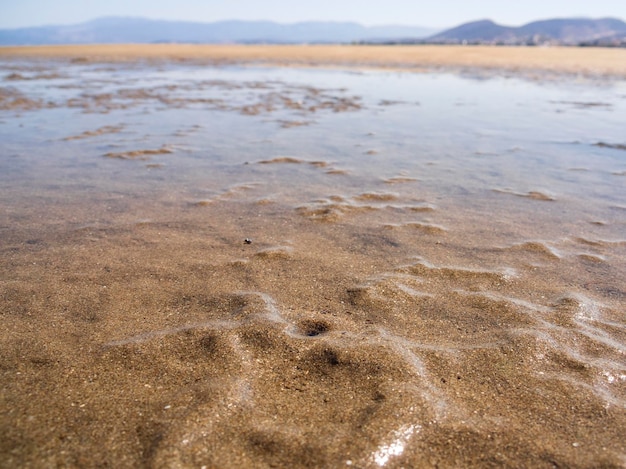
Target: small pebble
247, 241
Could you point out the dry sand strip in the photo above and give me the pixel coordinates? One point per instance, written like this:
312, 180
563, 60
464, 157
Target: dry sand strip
590, 62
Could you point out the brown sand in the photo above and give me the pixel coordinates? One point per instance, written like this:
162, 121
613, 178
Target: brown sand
356, 329
578, 61
175, 344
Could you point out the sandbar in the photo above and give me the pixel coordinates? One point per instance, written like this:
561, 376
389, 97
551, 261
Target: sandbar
569, 60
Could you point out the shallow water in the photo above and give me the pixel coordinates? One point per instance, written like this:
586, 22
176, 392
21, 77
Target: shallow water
435, 275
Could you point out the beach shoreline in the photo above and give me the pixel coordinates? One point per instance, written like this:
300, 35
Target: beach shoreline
588, 62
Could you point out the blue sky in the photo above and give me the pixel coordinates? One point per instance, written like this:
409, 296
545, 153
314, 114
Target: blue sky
433, 13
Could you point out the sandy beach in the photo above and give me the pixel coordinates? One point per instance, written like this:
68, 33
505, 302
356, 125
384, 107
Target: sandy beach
204, 265
570, 60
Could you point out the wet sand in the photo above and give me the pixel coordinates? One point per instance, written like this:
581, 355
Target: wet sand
187, 281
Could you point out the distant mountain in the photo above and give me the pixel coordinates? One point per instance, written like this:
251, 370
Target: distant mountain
576, 31
140, 30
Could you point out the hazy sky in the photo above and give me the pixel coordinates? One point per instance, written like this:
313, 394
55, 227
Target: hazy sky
435, 13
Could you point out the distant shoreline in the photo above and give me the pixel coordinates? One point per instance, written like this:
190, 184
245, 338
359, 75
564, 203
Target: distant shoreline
584, 61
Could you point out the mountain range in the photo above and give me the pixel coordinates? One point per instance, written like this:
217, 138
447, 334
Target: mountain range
574, 31
141, 30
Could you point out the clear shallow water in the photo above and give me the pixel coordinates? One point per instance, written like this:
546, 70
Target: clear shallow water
451, 141
465, 236
472, 135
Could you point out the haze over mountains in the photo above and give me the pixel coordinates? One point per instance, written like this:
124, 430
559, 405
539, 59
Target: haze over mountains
141, 30
576, 31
